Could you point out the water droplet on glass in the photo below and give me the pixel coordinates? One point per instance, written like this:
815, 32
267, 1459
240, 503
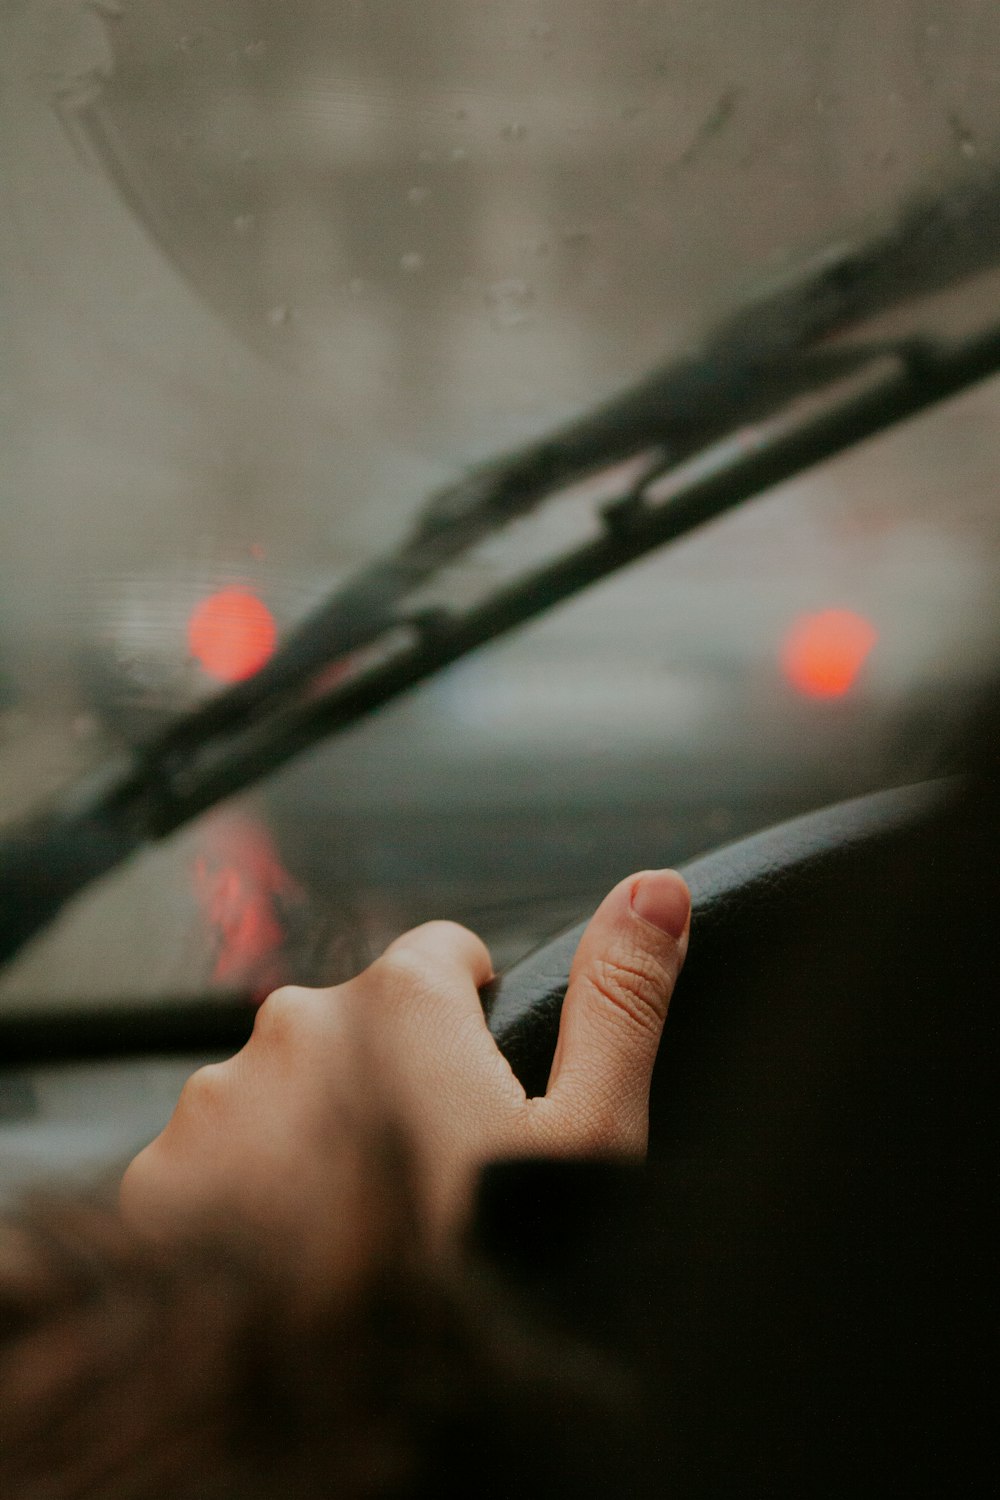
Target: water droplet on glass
417, 195
280, 315
411, 261
515, 131
509, 302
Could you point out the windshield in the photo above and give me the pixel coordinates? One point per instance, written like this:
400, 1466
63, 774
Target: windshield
279, 273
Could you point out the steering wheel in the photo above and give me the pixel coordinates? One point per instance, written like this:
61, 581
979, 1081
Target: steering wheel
744, 897
811, 1258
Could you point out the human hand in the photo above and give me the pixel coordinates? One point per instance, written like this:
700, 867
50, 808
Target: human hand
275, 1135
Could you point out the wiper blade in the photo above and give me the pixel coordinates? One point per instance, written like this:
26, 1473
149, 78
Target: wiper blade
755, 367
753, 364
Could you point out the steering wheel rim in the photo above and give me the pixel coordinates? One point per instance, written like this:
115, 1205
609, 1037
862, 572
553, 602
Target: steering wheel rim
738, 892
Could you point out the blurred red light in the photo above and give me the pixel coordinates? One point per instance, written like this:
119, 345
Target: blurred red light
231, 634
249, 900
822, 654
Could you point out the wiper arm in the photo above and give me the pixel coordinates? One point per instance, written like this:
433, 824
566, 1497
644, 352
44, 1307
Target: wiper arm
753, 362
637, 521
756, 366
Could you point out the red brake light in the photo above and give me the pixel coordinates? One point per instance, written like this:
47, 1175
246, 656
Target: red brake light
231, 634
822, 654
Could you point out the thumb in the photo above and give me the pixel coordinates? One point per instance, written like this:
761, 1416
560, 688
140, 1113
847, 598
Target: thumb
620, 985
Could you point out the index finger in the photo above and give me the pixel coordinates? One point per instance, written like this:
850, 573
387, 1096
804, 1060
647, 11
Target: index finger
445, 949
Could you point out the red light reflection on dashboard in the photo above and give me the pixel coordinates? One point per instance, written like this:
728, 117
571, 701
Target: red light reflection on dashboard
823, 653
231, 634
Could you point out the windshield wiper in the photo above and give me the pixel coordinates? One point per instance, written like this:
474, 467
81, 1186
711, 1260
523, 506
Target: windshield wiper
753, 364
774, 359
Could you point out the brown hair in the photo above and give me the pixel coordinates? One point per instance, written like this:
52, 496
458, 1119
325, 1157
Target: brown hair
134, 1371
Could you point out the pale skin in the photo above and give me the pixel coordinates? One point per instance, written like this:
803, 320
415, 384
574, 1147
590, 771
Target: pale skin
269, 1138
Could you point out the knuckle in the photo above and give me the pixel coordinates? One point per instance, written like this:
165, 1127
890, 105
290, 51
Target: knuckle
449, 932
635, 989
281, 1016
202, 1092
405, 969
